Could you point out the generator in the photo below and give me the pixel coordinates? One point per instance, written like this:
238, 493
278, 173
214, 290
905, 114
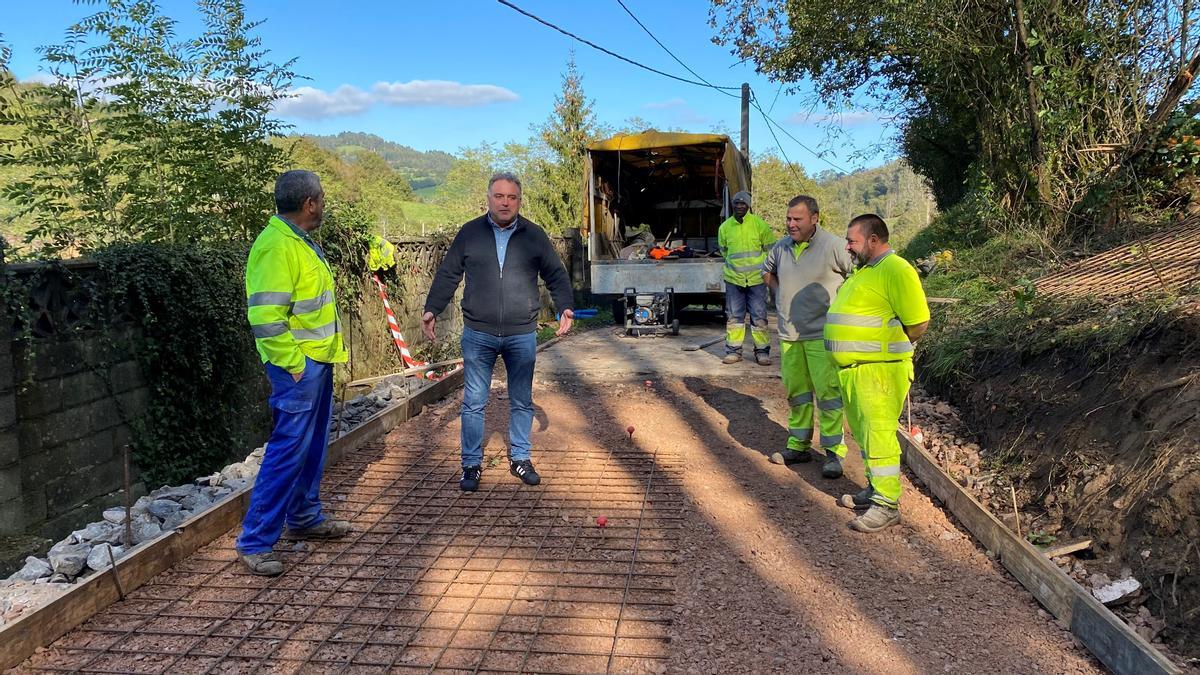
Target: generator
649, 313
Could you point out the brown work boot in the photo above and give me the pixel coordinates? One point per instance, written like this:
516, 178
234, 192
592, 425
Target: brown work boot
263, 564
731, 358
326, 529
762, 359
875, 519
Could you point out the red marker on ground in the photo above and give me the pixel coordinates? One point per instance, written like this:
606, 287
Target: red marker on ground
916, 434
629, 430
601, 521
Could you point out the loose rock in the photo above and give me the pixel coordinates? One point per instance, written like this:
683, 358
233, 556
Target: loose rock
34, 569
98, 557
68, 559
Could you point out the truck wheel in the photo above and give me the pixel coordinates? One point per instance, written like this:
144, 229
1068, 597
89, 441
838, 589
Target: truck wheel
675, 327
618, 311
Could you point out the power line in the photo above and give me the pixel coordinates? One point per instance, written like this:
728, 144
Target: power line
777, 143
613, 54
754, 99
772, 123
777, 92
672, 54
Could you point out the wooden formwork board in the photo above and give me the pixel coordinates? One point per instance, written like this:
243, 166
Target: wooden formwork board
46, 624
1108, 638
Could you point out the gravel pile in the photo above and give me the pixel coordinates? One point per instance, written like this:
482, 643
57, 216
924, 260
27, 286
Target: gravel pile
359, 409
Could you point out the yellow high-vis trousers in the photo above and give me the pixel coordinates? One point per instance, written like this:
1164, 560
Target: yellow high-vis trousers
811, 381
874, 395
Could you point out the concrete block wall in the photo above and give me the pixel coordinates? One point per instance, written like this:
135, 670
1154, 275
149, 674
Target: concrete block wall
70, 394
12, 508
73, 420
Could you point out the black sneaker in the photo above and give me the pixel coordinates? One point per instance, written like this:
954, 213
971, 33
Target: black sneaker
523, 469
470, 478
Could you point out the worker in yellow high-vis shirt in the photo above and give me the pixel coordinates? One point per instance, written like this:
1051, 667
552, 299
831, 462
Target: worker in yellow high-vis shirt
879, 312
744, 240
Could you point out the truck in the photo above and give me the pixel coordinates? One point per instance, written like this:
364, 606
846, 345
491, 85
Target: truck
652, 207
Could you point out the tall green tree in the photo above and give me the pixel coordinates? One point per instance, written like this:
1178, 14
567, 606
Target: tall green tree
775, 183
464, 193
554, 197
144, 135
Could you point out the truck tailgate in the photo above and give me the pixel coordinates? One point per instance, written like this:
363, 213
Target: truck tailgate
695, 275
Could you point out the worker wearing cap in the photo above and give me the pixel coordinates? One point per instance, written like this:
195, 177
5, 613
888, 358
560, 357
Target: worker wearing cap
805, 269
744, 240
870, 329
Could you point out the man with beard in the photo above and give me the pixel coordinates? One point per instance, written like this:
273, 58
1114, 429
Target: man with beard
869, 332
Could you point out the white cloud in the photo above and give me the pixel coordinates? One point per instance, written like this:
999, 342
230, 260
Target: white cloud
848, 118
313, 103
664, 105
440, 93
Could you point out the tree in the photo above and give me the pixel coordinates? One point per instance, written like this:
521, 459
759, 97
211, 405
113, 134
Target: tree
1015, 88
554, 197
775, 183
464, 194
146, 136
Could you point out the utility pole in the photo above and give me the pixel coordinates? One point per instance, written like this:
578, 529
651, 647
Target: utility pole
745, 140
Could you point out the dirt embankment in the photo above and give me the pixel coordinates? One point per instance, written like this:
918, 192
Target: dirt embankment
1108, 451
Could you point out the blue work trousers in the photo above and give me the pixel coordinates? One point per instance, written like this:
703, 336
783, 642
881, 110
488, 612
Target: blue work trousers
288, 485
479, 351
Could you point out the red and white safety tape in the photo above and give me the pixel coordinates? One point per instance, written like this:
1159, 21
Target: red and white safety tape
398, 337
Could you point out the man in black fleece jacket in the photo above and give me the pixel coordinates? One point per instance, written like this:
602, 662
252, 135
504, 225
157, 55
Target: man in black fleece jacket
501, 255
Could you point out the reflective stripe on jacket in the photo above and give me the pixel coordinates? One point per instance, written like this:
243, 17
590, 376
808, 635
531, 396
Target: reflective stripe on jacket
290, 301
865, 323
744, 246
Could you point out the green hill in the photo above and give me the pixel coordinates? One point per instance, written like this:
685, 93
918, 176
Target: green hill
422, 169
892, 191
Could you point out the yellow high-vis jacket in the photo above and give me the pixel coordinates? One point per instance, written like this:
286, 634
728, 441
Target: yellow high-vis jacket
290, 302
744, 246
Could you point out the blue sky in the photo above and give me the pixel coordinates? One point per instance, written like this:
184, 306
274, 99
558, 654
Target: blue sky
457, 73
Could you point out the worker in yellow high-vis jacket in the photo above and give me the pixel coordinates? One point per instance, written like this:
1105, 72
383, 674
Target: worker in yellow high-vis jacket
744, 240
805, 268
879, 312
294, 318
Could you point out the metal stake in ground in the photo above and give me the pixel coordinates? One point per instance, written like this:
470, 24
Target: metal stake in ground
113, 568
128, 502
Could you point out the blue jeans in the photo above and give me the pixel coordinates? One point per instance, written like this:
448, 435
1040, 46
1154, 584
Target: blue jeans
740, 301
479, 359
289, 482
